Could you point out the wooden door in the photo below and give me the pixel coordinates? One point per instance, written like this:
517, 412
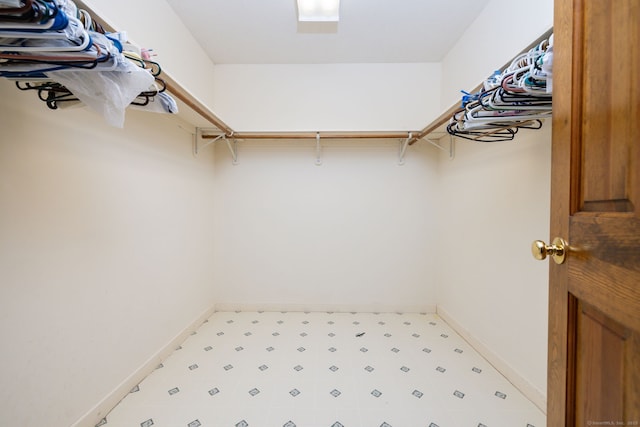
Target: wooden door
594, 318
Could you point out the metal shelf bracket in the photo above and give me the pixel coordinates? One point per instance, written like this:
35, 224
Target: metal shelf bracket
202, 139
233, 148
318, 150
403, 149
451, 149
199, 142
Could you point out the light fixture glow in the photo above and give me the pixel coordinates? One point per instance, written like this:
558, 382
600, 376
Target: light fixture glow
318, 10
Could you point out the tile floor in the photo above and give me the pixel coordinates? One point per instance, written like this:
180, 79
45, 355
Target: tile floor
292, 369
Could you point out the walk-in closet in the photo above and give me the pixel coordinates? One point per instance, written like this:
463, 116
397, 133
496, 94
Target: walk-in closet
231, 214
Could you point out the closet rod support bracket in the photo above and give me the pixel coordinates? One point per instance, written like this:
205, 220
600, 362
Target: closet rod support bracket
451, 149
203, 134
318, 150
233, 148
403, 149
199, 142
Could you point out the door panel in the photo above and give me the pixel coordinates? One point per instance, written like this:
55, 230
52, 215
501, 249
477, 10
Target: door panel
594, 297
609, 101
604, 368
600, 366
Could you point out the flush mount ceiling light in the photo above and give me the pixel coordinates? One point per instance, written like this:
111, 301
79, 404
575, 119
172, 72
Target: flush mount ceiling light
318, 10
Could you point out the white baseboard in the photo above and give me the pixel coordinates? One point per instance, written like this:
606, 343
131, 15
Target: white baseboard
529, 390
98, 412
338, 308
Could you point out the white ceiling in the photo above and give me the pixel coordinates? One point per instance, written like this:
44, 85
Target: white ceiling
369, 31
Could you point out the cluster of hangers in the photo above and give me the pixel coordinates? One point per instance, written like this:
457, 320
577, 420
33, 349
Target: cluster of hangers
41, 39
519, 97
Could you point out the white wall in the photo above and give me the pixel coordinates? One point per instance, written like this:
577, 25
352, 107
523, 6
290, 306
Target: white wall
494, 202
328, 97
356, 233
502, 31
105, 252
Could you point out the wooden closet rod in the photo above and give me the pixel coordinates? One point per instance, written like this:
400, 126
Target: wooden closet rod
313, 135
183, 95
441, 120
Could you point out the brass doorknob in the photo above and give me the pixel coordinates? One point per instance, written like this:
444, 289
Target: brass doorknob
557, 250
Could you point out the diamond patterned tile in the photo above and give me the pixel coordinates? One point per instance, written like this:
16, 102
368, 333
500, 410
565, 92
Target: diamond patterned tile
287, 369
